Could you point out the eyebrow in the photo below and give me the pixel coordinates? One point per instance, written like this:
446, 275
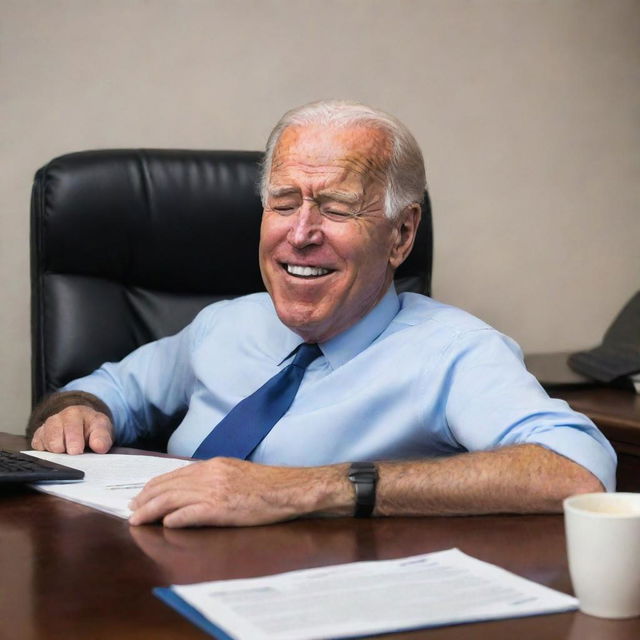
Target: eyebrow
278, 192
348, 197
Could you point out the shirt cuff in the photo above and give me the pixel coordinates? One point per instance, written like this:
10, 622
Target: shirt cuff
597, 456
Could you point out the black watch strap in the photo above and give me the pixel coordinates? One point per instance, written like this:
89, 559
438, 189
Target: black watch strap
364, 476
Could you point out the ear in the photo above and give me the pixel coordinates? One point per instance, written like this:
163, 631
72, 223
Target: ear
405, 230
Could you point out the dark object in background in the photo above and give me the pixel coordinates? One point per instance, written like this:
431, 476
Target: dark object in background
618, 357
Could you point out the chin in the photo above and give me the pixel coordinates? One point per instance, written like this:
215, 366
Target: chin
301, 318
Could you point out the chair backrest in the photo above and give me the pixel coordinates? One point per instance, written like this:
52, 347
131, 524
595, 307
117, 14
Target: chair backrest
128, 245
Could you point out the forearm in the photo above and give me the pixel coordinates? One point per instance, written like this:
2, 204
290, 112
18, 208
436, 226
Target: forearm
56, 402
231, 492
517, 479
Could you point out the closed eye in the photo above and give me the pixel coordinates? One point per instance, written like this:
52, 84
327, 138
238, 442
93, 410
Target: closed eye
284, 210
333, 212
337, 215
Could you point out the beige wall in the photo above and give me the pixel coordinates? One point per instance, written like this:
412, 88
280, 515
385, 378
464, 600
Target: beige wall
527, 111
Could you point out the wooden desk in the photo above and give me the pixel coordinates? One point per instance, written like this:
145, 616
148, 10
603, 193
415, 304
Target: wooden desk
71, 573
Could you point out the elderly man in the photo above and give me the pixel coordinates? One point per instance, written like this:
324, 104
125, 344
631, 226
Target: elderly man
433, 406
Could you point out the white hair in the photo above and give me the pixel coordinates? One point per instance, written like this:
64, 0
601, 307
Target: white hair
404, 173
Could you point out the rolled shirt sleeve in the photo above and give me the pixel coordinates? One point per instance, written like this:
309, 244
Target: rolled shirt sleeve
493, 401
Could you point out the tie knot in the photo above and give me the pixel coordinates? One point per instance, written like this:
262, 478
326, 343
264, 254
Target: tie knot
306, 354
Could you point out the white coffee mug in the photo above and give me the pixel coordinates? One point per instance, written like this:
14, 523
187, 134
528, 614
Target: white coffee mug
603, 545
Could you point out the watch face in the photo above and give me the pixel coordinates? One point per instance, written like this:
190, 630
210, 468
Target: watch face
363, 471
364, 476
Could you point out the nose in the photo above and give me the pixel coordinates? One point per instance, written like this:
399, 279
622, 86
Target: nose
306, 226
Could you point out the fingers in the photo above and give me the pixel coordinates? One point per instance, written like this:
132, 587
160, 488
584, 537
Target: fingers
177, 509
62, 432
192, 515
73, 427
220, 492
99, 433
36, 441
163, 505
206, 476
173, 497
158, 486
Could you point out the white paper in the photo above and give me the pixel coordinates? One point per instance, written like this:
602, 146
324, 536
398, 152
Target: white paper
446, 587
110, 480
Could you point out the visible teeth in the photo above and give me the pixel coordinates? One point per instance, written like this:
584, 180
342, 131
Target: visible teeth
297, 270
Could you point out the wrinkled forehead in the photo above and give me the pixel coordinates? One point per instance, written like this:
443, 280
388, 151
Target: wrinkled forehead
313, 149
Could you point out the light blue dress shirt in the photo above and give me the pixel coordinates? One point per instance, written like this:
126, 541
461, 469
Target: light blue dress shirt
414, 378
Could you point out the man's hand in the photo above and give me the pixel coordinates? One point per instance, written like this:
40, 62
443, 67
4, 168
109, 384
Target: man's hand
72, 428
66, 422
230, 492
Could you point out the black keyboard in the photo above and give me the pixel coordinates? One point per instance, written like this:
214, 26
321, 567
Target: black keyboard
20, 467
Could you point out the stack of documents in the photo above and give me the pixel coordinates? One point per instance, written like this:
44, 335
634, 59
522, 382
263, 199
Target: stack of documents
363, 598
110, 480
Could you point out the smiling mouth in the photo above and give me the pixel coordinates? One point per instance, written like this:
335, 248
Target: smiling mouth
300, 271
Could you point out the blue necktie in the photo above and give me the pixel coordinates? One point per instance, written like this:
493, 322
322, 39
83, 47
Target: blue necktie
248, 423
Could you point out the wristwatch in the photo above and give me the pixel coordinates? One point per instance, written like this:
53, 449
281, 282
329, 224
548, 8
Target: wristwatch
364, 476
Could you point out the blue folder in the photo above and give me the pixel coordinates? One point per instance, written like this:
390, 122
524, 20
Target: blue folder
170, 597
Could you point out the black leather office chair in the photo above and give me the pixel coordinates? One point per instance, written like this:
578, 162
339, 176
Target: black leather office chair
128, 245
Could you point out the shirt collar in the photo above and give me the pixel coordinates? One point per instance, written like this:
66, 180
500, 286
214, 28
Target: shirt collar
348, 344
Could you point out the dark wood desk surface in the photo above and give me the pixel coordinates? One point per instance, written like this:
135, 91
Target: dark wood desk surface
68, 572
